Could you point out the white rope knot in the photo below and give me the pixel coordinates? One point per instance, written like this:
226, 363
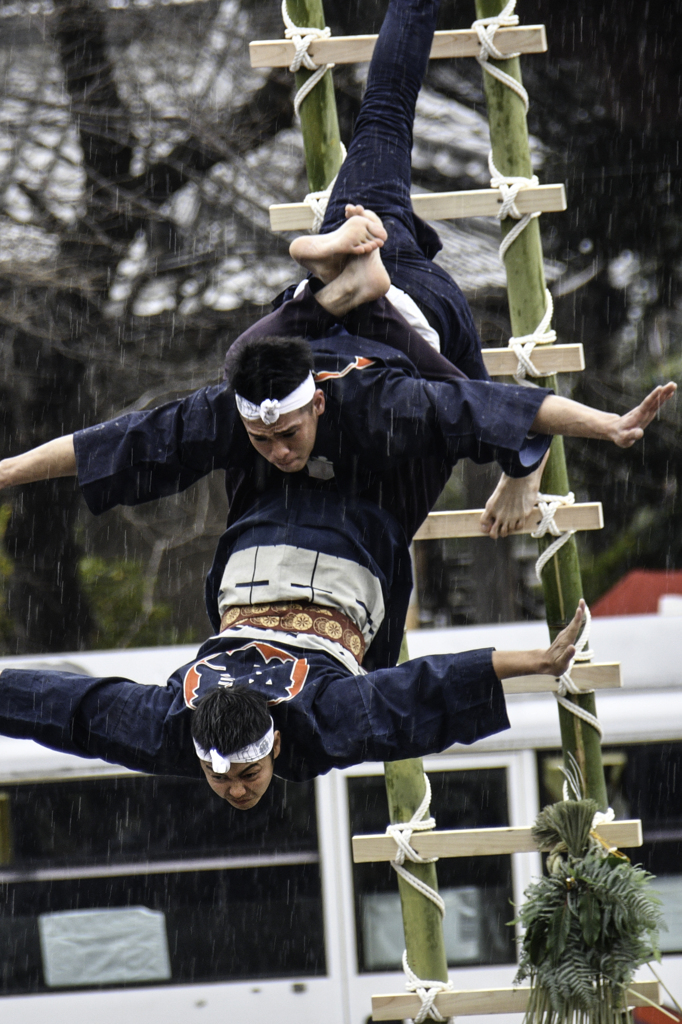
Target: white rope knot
509, 187
318, 201
302, 37
523, 346
582, 653
548, 504
427, 992
486, 28
566, 686
401, 831
603, 817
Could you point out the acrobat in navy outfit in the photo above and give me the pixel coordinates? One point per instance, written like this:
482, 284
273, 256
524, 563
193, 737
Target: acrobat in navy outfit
390, 437
377, 174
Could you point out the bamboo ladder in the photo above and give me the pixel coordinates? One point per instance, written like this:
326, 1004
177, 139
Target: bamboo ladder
561, 580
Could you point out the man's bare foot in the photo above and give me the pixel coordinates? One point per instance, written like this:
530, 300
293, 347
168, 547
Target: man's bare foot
360, 211
629, 428
325, 256
511, 501
363, 279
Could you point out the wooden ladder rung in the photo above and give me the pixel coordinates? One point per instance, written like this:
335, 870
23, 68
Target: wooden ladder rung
466, 523
479, 202
549, 359
486, 1000
595, 676
279, 53
481, 842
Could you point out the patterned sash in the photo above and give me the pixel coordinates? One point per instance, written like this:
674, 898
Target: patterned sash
299, 618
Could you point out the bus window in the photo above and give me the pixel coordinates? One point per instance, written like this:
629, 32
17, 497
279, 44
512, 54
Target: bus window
644, 780
477, 890
221, 894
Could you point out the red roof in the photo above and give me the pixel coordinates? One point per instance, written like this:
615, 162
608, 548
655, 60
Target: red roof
653, 1015
638, 592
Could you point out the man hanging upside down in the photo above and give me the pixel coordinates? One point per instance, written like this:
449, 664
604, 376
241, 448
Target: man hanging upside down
311, 583
334, 452
377, 174
369, 404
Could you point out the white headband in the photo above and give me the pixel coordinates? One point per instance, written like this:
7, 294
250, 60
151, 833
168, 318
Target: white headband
270, 409
254, 752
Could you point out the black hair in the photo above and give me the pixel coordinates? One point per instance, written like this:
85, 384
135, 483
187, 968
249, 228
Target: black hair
269, 367
229, 718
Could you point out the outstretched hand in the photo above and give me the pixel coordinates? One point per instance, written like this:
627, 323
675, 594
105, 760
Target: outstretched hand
558, 656
629, 428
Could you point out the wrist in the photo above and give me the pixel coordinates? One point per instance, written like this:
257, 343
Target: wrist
510, 664
543, 665
6, 472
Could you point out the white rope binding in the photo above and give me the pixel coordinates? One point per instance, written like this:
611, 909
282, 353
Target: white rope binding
523, 346
401, 831
548, 504
318, 201
427, 992
302, 37
509, 187
486, 29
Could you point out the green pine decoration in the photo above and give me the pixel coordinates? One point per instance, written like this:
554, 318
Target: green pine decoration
589, 924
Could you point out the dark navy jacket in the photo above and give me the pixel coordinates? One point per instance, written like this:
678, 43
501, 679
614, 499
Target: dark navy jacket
328, 718
391, 436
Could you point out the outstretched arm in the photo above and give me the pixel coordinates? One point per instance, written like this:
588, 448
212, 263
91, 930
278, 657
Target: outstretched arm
563, 416
144, 728
426, 704
53, 459
552, 662
512, 500
140, 456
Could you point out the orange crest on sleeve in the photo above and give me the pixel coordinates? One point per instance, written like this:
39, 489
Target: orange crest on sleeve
359, 363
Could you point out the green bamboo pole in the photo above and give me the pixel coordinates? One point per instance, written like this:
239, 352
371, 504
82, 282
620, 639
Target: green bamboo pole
422, 922
562, 584
319, 118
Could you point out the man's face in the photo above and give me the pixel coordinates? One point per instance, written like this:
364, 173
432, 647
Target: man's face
287, 444
244, 784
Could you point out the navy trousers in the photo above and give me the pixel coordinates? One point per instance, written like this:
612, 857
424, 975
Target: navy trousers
377, 174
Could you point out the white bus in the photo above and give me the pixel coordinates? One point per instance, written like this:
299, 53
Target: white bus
147, 900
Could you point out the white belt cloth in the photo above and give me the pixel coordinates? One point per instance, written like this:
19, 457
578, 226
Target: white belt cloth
281, 572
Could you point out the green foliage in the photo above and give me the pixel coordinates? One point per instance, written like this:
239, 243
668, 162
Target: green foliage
568, 822
115, 590
588, 926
